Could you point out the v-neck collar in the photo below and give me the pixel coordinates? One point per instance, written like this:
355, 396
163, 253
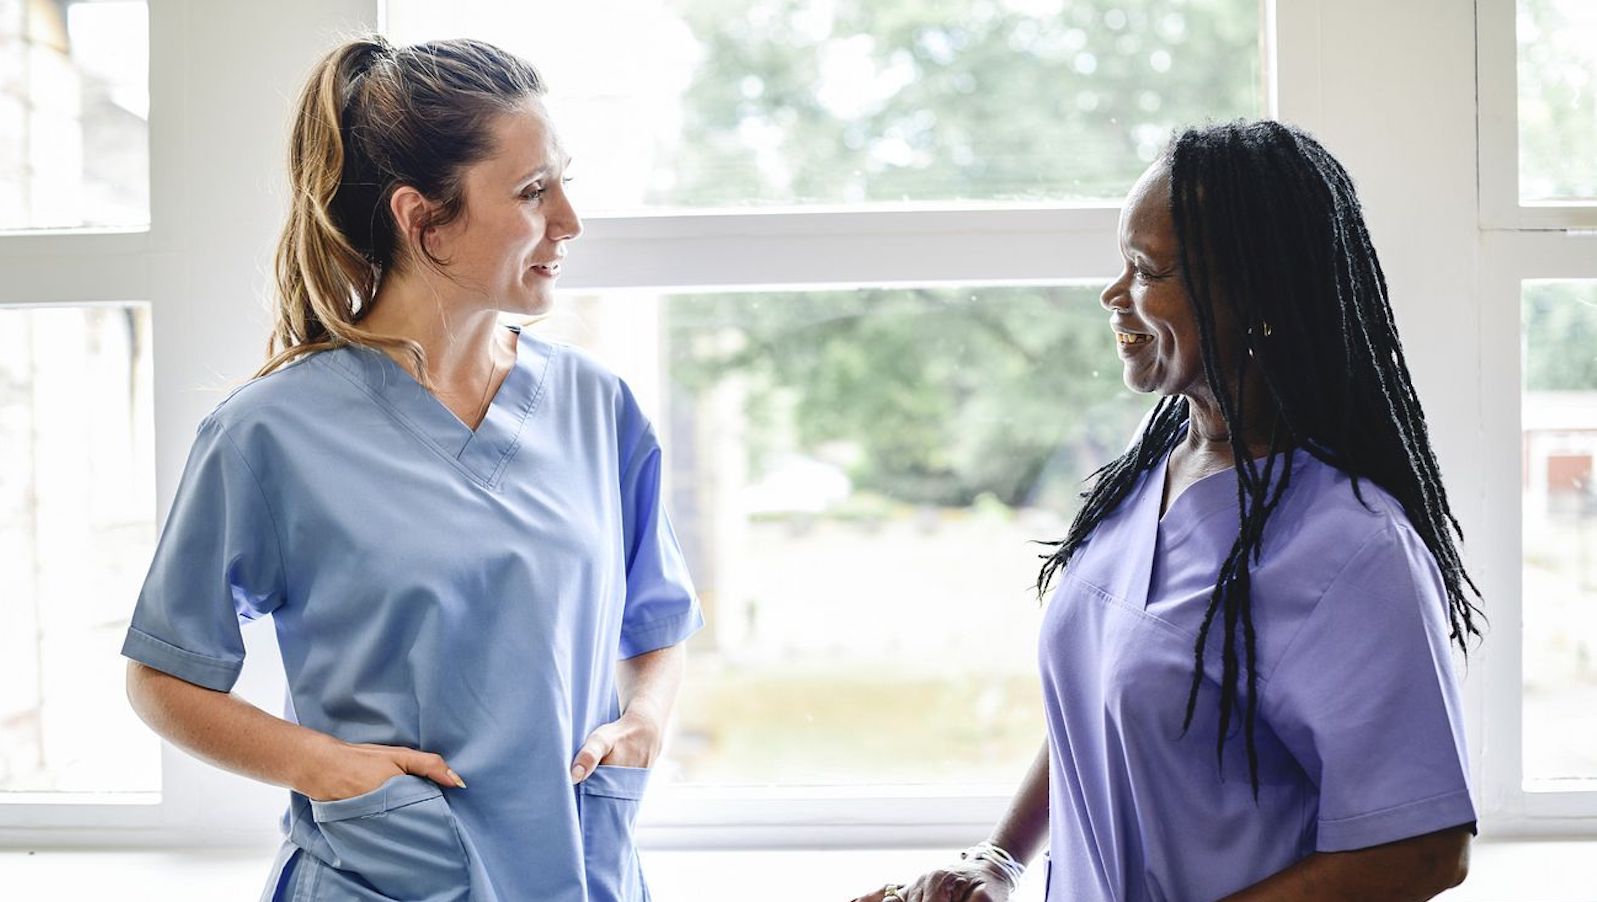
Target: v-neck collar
1196, 502
1207, 495
481, 453
1142, 533
1135, 537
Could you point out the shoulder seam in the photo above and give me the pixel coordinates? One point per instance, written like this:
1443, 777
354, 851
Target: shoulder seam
1385, 528
234, 391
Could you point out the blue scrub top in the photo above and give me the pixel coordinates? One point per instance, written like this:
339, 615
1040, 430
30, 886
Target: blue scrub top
464, 593
1360, 733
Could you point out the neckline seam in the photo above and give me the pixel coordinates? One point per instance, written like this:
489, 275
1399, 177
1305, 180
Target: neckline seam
1184, 531
516, 435
411, 427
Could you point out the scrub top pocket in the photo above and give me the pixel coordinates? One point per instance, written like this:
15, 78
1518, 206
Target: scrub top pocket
607, 805
401, 839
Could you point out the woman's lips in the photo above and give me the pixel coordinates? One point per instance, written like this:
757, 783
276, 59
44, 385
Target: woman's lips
1130, 344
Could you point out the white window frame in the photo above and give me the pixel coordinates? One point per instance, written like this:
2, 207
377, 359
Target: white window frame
1498, 64
1519, 242
1509, 257
218, 127
223, 77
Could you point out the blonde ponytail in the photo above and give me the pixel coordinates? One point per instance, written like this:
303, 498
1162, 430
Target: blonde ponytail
435, 103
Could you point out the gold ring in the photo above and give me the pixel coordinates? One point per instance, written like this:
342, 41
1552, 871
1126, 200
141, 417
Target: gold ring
892, 892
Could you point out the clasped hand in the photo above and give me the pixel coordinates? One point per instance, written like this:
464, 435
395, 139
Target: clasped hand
965, 881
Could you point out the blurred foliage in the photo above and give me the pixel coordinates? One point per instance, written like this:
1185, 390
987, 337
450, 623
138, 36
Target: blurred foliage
1560, 333
846, 101
1557, 99
946, 395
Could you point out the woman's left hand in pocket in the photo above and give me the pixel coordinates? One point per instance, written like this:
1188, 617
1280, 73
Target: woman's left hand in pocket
632, 741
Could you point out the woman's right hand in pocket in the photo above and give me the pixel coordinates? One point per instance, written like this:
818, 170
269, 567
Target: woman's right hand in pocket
342, 770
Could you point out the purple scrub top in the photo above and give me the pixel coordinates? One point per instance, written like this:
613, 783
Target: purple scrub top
1360, 732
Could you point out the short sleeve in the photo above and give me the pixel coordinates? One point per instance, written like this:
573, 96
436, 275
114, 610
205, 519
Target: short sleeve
217, 563
1367, 700
661, 607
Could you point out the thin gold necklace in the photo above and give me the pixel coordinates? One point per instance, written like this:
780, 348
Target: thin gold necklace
493, 370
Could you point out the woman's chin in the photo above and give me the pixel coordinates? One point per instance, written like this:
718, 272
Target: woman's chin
532, 305
1140, 382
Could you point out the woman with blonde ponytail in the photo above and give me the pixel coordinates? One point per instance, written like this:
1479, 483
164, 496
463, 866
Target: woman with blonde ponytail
457, 528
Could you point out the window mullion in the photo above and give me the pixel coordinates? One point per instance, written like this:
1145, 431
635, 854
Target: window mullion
845, 249
74, 269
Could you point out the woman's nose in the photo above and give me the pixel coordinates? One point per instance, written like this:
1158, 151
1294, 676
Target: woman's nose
1113, 296
564, 224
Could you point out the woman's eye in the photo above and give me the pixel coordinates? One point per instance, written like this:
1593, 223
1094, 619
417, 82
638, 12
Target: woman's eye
533, 193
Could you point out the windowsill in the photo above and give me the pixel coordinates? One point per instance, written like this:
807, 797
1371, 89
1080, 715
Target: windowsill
1520, 870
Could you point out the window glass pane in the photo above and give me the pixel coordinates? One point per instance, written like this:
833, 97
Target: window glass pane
1557, 100
858, 478
705, 103
1560, 515
74, 111
77, 528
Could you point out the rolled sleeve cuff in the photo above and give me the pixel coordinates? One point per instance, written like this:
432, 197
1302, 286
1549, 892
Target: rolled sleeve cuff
201, 670
1453, 809
662, 633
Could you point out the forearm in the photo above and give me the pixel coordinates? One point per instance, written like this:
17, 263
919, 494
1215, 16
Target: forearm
224, 730
1023, 830
647, 684
1411, 869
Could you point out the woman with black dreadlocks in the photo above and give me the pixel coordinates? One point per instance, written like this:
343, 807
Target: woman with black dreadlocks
1246, 660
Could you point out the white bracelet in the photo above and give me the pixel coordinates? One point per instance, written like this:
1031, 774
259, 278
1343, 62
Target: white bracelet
995, 855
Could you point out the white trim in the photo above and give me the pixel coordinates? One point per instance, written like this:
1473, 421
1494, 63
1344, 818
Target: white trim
822, 248
803, 817
1293, 57
1540, 255
74, 268
1556, 216
1498, 756
1497, 112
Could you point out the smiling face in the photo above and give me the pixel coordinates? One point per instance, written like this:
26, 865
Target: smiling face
1151, 312
506, 246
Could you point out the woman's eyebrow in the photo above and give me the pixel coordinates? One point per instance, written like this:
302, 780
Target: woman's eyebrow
1150, 253
542, 170
1129, 248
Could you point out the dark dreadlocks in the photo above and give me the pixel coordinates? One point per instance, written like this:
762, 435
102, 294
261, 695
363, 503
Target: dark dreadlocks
1263, 210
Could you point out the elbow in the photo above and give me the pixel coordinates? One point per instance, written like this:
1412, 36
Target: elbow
1460, 870
133, 685
139, 686
1455, 864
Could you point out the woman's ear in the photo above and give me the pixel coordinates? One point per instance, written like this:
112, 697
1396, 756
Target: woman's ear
410, 211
